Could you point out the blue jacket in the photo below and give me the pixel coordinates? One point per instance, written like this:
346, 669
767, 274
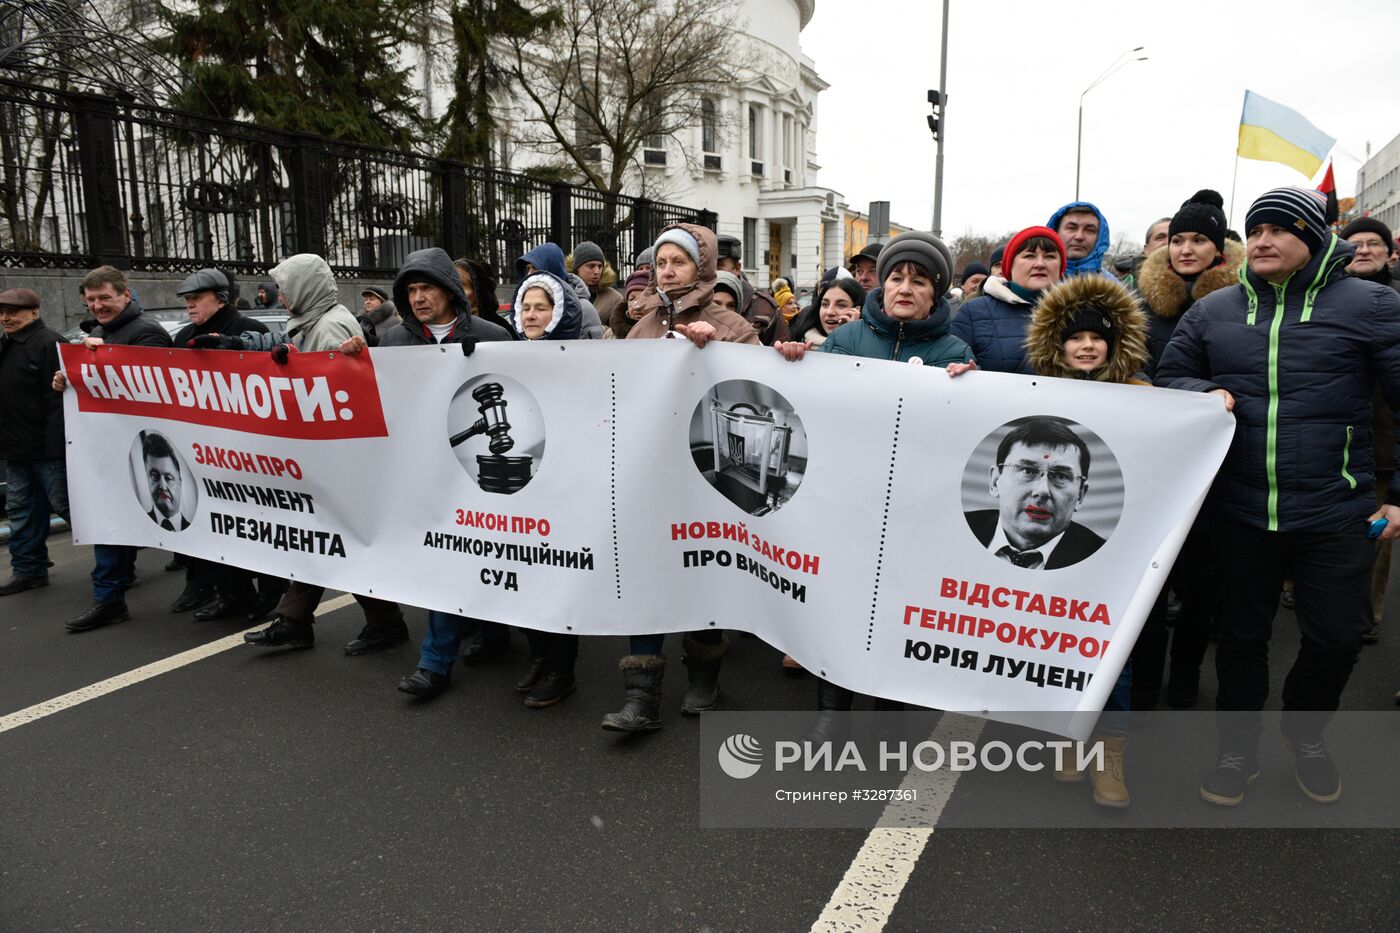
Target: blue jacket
878, 336
994, 326
1301, 360
1094, 261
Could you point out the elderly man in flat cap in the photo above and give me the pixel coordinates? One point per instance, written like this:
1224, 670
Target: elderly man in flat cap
31, 437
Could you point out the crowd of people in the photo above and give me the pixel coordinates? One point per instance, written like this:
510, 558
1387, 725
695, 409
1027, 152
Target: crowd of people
1296, 328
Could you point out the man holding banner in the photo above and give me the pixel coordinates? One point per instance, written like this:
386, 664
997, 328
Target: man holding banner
1294, 351
121, 321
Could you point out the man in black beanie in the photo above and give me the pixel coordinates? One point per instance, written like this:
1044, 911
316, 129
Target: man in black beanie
1295, 352
1375, 250
973, 275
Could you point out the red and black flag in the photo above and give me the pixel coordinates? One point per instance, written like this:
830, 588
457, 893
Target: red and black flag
1329, 188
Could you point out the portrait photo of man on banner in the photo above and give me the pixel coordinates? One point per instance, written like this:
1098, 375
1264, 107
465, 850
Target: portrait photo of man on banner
1038, 483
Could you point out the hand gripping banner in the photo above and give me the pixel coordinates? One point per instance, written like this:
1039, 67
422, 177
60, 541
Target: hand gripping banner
988, 544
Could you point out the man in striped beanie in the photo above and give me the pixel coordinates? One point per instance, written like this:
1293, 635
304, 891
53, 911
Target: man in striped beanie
1295, 351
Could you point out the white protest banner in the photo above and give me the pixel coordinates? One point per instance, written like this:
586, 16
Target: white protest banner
989, 544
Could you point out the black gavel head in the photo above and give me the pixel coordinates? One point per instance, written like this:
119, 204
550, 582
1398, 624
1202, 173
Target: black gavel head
491, 397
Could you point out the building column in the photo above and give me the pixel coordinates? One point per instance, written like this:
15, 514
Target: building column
806, 245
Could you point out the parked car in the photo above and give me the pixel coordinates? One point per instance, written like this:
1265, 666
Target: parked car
172, 319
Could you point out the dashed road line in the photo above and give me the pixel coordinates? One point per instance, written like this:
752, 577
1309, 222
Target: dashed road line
868, 892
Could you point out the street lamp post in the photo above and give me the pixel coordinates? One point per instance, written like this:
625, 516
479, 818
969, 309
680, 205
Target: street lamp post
939, 125
1122, 61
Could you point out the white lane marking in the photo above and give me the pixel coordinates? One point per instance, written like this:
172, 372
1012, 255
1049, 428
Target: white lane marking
165, 665
865, 898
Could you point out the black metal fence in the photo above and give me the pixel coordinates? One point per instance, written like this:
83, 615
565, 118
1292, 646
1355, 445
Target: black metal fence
88, 180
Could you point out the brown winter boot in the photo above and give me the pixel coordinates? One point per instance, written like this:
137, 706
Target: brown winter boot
1070, 772
1109, 789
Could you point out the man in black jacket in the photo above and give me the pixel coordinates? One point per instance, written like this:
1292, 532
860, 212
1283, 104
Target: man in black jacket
1375, 248
215, 590
119, 321
1294, 351
429, 289
31, 437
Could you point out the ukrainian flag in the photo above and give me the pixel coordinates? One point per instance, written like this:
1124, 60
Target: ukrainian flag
1274, 133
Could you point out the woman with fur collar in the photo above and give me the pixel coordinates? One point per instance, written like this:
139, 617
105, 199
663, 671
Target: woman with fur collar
1196, 261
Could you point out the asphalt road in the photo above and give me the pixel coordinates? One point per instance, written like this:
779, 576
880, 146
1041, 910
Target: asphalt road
302, 791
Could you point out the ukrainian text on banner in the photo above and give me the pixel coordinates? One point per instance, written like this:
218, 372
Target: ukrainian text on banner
985, 544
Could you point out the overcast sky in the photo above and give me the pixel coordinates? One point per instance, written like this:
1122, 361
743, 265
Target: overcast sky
1154, 133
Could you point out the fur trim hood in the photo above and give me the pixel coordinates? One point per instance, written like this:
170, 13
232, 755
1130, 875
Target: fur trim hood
1044, 337
1165, 291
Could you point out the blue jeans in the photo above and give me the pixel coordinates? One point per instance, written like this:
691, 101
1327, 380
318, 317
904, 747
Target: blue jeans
441, 642
36, 488
114, 567
651, 644
1114, 720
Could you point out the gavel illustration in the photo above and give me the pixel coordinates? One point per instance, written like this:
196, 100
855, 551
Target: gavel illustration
493, 421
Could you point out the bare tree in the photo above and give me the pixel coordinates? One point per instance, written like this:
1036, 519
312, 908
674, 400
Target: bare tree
975, 247
63, 45
615, 77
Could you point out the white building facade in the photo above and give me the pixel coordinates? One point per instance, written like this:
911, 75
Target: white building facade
753, 163
1378, 185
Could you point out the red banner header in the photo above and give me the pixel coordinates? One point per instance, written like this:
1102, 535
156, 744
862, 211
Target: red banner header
313, 396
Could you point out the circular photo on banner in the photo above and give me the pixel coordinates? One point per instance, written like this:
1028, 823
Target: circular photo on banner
496, 430
1042, 493
747, 441
162, 481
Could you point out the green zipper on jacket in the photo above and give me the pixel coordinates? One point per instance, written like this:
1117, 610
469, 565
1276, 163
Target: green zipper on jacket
899, 339
1275, 327
1271, 448
1346, 460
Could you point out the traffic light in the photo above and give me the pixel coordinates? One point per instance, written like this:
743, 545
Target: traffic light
936, 101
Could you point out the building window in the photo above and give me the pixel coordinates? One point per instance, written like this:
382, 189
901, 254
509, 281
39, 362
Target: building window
753, 132
709, 141
750, 238
655, 139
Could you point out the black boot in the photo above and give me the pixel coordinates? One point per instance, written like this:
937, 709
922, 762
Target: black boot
831, 700
702, 663
98, 615
425, 684
487, 641
641, 681
283, 632
193, 596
